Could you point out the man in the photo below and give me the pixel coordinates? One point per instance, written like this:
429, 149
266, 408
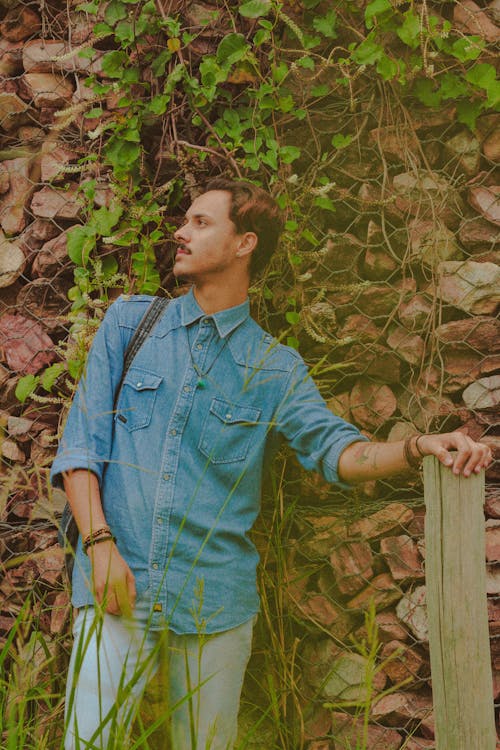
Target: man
168, 566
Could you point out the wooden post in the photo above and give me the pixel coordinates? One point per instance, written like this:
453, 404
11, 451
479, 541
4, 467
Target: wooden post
455, 568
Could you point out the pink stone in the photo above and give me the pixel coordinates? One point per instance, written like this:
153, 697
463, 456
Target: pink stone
24, 344
14, 201
402, 556
61, 204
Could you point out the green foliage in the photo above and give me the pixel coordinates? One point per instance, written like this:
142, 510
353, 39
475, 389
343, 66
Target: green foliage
253, 130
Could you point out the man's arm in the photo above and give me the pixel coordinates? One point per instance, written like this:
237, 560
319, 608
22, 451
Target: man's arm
360, 462
112, 580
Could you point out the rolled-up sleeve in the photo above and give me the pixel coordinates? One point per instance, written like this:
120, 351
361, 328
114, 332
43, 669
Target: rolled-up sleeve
317, 436
87, 436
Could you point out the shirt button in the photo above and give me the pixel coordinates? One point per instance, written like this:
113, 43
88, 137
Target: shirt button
228, 415
159, 521
199, 346
138, 385
166, 477
155, 566
173, 432
187, 388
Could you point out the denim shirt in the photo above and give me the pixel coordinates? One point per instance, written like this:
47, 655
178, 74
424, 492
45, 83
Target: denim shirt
180, 461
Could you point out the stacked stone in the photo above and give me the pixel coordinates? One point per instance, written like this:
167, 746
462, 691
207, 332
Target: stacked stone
403, 295
375, 562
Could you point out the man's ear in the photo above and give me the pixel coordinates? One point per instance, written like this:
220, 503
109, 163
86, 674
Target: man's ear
247, 243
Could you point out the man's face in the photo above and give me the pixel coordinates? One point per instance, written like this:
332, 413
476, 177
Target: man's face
207, 241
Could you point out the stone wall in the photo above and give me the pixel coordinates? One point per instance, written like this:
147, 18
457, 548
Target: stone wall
401, 298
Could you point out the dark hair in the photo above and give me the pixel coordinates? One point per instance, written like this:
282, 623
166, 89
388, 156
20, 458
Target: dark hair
252, 210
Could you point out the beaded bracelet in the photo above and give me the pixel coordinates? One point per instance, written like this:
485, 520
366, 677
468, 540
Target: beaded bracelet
411, 459
103, 530
93, 542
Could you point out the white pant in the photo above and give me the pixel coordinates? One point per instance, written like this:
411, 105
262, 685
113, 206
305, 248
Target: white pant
114, 657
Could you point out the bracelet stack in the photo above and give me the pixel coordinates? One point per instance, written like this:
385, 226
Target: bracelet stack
413, 459
102, 534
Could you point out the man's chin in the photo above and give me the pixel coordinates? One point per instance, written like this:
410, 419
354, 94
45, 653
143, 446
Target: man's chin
179, 273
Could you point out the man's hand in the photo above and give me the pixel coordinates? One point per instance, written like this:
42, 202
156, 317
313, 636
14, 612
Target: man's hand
470, 457
361, 462
113, 581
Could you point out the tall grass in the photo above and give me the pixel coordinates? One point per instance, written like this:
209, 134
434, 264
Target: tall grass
33, 666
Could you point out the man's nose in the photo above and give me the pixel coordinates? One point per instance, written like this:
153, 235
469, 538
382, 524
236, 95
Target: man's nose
180, 233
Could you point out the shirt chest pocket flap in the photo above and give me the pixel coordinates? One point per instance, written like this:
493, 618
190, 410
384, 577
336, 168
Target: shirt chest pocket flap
228, 431
137, 398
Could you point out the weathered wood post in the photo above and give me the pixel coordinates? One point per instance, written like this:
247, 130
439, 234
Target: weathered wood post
457, 611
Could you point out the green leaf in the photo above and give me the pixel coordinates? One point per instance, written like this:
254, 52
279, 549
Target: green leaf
368, 52
87, 54
232, 48
94, 112
321, 90
326, 25
159, 103
125, 32
306, 62
374, 9
309, 41
255, 8
451, 86
409, 31
267, 292
104, 219
482, 75
387, 68
91, 8
279, 72
467, 48
50, 375
75, 368
288, 154
292, 341
323, 201
286, 103
115, 12
291, 225
309, 237
113, 63
468, 112
102, 30
426, 93
123, 155
109, 265
339, 140
81, 242
292, 317
159, 63
261, 37
25, 387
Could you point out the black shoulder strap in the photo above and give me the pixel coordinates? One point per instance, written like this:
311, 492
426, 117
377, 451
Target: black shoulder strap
144, 328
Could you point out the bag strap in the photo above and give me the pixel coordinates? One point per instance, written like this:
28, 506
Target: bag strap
141, 333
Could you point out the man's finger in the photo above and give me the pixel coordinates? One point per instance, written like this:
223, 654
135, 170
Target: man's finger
123, 598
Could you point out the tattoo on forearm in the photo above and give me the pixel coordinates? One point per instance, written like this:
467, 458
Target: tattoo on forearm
363, 454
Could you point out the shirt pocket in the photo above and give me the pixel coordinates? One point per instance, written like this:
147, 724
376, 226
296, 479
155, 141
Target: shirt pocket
137, 399
227, 431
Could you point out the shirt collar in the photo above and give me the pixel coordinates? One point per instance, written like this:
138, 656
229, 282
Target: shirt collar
225, 320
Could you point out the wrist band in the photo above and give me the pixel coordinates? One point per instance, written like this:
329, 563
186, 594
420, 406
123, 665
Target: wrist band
411, 459
102, 531
92, 542
418, 447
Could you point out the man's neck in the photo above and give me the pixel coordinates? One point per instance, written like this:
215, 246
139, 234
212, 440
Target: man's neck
213, 298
